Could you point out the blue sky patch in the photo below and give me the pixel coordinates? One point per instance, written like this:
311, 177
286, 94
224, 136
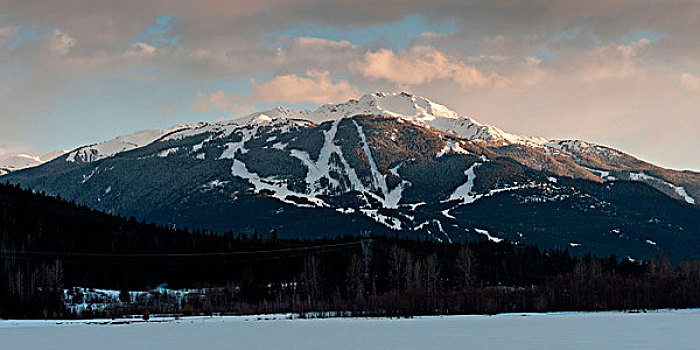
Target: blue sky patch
636, 35
394, 35
160, 34
24, 33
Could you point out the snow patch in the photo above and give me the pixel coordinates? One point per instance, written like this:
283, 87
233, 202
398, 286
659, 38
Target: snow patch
446, 213
464, 191
89, 176
167, 152
641, 176
679, 190
488, 235
388, 221
452, 147
603, 174
279, 145
215, 184
683, 194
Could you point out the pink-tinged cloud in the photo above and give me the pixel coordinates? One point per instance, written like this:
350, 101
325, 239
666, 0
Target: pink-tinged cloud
319, 43
62, 43
690, 81
141, 50
316, 86
219, 100
624, 73
423, 65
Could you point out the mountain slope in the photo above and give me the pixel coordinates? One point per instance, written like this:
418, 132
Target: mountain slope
10, 163
388, 163
571, 158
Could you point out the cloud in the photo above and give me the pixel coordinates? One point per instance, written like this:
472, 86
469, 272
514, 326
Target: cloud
422, 65
690, 81
320, 43
62, 43
557, 68
139, 49
169, 109
218, 100
612, 61
616, 94
315, 86
6, 34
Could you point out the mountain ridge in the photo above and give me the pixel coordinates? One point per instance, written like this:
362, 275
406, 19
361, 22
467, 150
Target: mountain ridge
424, 112
22, 160
411, 174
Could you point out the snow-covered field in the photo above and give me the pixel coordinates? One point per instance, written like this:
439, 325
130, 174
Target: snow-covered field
606, 330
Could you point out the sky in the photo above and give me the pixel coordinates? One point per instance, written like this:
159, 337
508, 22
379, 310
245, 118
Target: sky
623, 73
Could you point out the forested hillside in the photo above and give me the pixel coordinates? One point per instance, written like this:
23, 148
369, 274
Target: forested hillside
49, 246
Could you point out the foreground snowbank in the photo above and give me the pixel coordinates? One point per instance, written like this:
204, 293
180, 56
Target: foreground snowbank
605, 330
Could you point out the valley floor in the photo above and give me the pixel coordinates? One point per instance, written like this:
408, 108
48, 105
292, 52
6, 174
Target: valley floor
665, 329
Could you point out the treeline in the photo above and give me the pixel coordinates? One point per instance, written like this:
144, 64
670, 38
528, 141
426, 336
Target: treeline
48, 245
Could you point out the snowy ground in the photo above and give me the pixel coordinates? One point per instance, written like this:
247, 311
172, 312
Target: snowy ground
608, 330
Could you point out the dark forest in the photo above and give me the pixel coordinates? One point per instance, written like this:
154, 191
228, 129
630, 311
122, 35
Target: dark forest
49, 246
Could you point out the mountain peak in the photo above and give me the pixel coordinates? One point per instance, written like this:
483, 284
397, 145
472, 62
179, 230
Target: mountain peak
407, 104
403, 105
394, 104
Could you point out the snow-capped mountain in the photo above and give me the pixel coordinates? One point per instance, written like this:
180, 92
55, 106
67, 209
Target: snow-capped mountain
593, 160
391, 163
14, 162
402, 105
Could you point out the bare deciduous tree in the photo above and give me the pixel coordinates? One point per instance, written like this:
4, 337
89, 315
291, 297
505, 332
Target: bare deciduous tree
465, 261
355, 280
311, 276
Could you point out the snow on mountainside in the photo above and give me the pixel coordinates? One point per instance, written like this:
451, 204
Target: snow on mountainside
593, 160
10, 163
611, 165
406, 106
120, 144
572, 158
142, 138
402, 105
389, 163
270, 115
